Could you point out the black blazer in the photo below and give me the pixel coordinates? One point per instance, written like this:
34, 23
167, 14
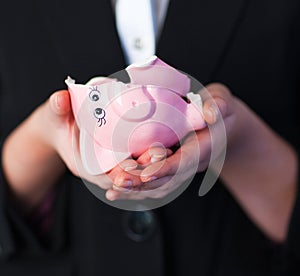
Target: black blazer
250, 45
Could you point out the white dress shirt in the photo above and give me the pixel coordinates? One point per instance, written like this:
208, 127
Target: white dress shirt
139, 23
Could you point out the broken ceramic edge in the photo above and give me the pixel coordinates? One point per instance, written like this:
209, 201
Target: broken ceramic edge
196, 100
154, 71
69, 80
149, 61
92, 82
99, 80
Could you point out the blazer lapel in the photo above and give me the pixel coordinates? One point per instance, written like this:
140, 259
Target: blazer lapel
194, 39
197, 34
83, 35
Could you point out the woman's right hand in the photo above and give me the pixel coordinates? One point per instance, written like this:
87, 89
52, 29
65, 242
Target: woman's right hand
38, 151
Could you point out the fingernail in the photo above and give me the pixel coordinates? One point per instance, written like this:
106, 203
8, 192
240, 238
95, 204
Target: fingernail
149, 179
127, 184
121, 189
57, 101
130, 168
158, 157
211, 113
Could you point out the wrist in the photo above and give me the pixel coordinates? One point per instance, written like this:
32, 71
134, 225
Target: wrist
30, 163
260, 170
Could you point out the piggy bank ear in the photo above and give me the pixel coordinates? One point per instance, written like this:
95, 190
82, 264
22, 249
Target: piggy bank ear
96, 159
155, 72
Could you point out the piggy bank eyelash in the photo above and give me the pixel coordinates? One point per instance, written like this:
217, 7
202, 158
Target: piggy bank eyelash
99, 113
94, 94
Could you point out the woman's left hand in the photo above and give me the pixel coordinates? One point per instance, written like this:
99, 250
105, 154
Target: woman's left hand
161, 171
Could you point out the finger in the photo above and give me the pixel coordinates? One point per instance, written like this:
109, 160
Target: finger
217, 104
203, 148
155, 189
154, 154
103, 181
136, 194
214, 109
183, 159
127, 165
60, 102
195, 150
120, 173
127, 180
113, 195
154, 184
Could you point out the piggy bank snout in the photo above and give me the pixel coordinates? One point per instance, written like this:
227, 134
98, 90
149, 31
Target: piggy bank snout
136, 105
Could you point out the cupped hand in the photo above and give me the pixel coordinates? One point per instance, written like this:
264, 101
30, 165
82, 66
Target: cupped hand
59, 130
158, 178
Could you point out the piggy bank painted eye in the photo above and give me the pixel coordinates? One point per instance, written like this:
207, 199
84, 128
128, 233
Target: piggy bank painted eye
94, 95
99, 113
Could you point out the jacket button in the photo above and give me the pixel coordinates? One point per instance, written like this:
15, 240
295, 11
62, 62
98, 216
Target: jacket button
140, 225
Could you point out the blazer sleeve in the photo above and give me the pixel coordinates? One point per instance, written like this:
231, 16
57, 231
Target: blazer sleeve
292, 246
7, 244
20, 233
293, 240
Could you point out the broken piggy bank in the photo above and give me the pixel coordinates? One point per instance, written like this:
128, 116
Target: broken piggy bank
119, 120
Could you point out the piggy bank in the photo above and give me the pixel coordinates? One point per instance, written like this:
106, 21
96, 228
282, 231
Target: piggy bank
120, 120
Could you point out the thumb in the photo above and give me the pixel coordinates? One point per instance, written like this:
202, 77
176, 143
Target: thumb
60, 102
219, 104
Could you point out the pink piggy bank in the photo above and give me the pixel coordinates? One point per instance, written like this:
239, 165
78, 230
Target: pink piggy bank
118, 120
